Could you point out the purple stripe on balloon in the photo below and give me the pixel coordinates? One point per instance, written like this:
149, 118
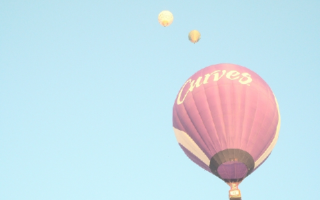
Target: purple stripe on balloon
232, 170
261, 163
195, 159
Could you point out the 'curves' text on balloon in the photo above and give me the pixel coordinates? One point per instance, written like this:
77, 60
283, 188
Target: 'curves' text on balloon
244, 78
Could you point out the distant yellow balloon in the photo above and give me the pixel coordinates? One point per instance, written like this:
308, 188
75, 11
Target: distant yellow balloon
165, 18
194, 36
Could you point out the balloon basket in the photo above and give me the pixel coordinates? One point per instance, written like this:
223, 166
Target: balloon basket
234, 192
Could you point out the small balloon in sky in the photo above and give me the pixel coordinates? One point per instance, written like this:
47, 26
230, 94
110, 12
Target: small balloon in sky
194, 36
165, 18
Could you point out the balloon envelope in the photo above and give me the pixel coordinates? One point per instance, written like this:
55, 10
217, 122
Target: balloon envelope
165, 18
226, 120
194, 36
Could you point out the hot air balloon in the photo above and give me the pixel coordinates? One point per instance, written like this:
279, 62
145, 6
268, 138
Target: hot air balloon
226, 120
165, 18
194, 36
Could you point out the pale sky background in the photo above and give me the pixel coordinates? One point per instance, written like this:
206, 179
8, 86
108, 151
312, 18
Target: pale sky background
87, 90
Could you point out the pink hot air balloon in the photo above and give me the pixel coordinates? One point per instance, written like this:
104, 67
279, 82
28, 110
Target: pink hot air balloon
226, 119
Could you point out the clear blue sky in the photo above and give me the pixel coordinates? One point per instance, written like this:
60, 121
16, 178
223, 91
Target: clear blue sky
87, 90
